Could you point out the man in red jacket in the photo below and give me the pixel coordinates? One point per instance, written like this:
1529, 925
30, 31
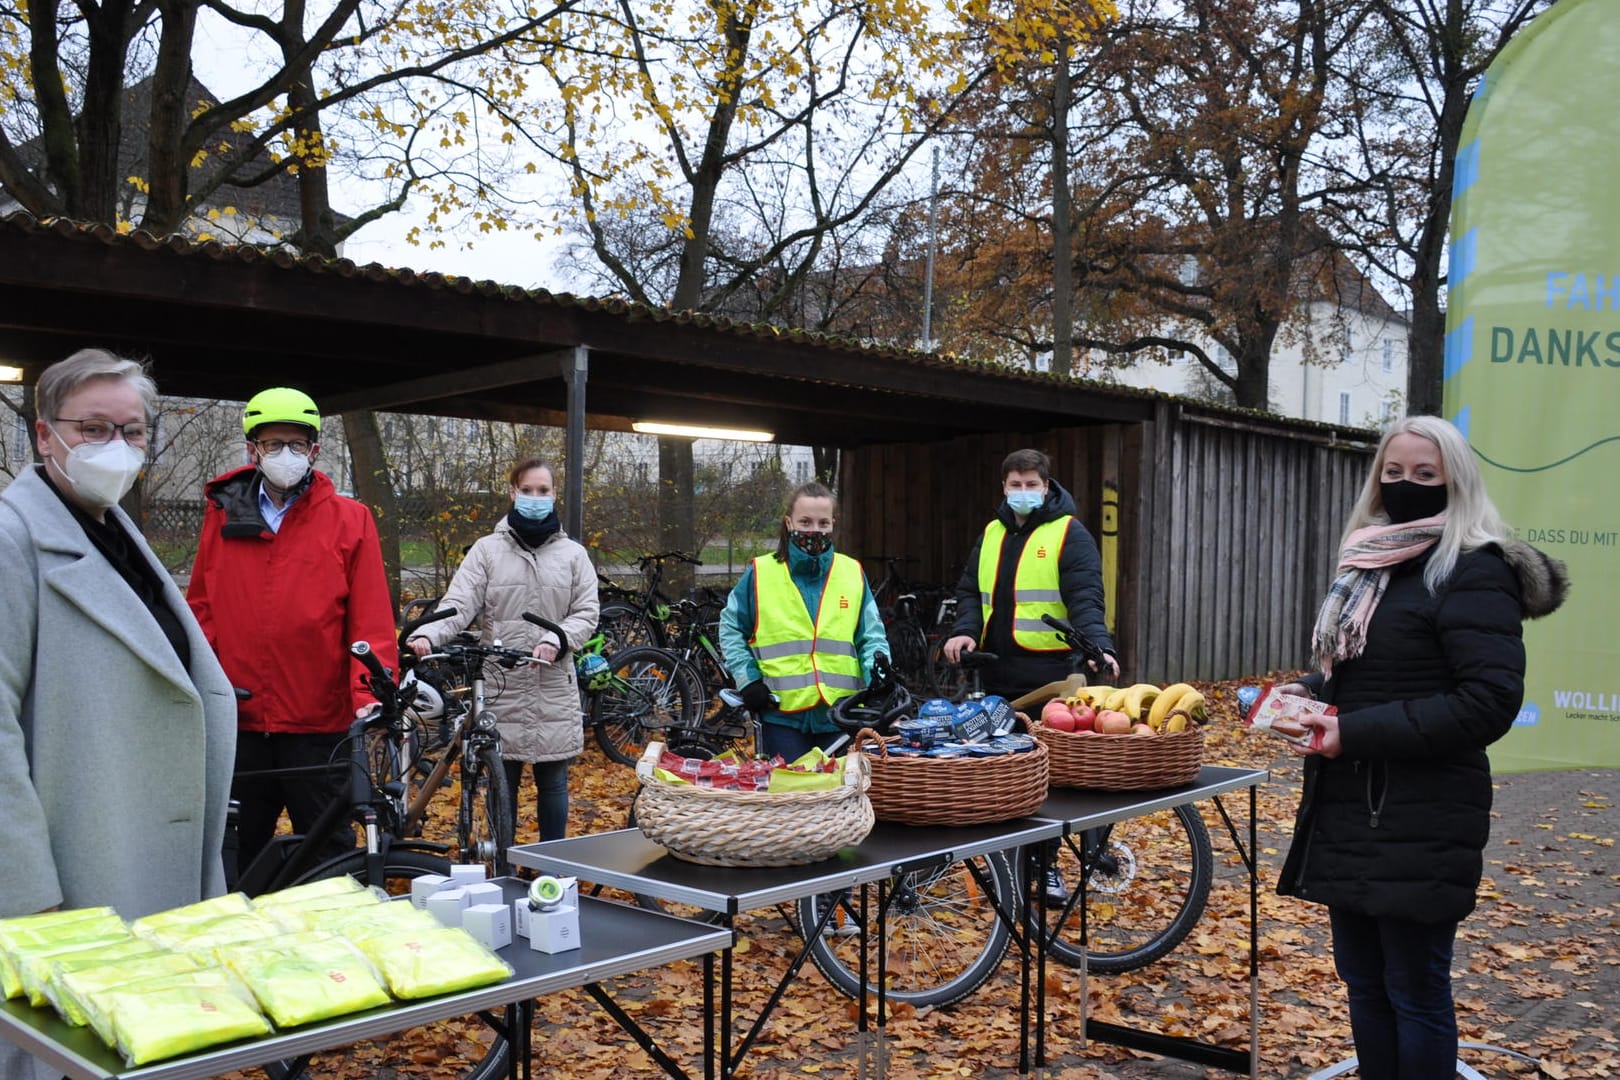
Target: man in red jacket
289, 573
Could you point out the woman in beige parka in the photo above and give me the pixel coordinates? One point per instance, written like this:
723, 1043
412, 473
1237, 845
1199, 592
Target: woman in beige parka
529, 564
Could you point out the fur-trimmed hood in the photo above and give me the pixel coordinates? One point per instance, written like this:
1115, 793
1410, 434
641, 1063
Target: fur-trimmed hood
1543, 580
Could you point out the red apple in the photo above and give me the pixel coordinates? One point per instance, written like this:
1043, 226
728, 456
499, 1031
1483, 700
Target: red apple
1113, 722
1059, 721
1052, 708
1085, 717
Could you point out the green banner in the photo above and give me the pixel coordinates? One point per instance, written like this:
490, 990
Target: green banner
1532, 358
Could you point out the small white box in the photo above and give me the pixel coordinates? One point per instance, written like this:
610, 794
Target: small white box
521, 909
489, 923
424, 887
446, 905
468, 873
485, 892
554, 931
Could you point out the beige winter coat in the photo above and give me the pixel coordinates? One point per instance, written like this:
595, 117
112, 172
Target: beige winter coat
538, 708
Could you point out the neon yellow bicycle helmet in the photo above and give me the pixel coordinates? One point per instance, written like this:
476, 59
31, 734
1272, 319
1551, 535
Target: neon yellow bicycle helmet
280, 405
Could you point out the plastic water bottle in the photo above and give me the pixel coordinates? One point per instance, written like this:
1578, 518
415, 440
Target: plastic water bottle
1247, 696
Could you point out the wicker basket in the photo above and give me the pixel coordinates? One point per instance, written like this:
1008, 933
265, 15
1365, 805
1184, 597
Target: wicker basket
1123, 762
752, 828
953, 791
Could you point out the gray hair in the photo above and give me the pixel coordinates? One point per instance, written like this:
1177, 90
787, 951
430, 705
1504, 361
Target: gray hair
61, 379
1472, 520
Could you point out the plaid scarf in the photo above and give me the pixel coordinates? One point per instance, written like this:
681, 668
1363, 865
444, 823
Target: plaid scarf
1364, 564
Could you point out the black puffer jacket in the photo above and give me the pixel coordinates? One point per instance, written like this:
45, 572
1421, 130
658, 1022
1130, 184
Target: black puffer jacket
1395, 825
1079, 580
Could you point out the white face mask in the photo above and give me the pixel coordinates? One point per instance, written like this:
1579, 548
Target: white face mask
284, 468
102, 473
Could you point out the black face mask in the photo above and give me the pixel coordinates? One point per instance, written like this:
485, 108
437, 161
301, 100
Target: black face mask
811, 543
1405, 501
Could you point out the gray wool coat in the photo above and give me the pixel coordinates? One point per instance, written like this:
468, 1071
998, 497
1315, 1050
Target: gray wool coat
537, 712
115, 761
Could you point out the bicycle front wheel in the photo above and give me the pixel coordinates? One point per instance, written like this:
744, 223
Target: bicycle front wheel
485, 828
1148, 880
649, 692
465, 1047
908, 652
944, 938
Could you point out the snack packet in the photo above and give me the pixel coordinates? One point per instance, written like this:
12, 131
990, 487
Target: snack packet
1273, 705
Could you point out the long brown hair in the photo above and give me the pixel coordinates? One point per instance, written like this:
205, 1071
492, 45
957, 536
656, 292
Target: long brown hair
815, 489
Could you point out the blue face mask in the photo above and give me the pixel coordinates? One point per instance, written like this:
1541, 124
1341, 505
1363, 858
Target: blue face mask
534, 507
1025, 502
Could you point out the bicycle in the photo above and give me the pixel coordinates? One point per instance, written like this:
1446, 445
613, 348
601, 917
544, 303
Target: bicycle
446, 723
636, 695
902, 603
947, 927
388, 859
1143, 893
641, 618
720, 724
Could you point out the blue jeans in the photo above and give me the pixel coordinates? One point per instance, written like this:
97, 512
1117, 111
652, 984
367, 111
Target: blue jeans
1398, 975
792, 743
551, 795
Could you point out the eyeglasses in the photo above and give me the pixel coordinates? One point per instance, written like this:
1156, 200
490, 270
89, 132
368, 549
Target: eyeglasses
301, 447
100, 431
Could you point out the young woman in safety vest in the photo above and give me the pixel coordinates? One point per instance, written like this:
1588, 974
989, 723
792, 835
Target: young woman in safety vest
802, 626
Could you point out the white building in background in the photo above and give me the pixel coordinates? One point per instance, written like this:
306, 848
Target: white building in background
1343, 362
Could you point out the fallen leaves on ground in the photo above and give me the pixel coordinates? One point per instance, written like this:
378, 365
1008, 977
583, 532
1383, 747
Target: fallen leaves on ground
1537, 967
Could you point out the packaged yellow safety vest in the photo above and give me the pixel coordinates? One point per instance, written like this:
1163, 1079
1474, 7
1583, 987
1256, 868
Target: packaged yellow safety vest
1036, 584
807, 664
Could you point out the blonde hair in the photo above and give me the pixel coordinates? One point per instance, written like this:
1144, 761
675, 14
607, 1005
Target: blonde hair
1472, 520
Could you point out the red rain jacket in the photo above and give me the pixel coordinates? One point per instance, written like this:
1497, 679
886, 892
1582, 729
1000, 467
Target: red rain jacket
281, 608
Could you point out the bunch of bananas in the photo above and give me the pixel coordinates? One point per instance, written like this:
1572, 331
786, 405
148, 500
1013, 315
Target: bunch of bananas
1168, 709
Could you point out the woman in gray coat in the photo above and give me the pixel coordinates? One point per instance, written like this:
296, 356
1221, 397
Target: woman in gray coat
117, 725
529, 564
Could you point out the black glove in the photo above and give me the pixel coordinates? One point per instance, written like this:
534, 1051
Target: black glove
757, 697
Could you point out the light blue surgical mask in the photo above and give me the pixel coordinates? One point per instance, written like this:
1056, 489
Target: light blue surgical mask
534, 507
1025, 502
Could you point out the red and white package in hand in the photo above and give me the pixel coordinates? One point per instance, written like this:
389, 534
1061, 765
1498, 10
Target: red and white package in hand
1273, 705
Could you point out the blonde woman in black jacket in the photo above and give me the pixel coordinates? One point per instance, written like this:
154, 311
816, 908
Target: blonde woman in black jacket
1418, 645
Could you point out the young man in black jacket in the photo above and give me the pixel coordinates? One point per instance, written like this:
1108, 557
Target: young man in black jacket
1034, 558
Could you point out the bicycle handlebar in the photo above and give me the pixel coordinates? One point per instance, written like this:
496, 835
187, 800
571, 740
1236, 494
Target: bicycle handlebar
416, 624
1089, 650
547, 624
379, 682
664, 556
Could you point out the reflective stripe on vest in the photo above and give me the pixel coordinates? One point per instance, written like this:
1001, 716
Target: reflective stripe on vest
1036, 583
807, 665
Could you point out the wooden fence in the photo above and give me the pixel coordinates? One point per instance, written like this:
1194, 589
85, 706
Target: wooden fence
1227, 527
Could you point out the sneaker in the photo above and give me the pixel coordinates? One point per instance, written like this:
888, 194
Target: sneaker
1056, 892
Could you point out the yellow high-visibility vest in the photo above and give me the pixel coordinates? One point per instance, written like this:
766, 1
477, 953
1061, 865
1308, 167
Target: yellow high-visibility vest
806, 665
1036, 584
